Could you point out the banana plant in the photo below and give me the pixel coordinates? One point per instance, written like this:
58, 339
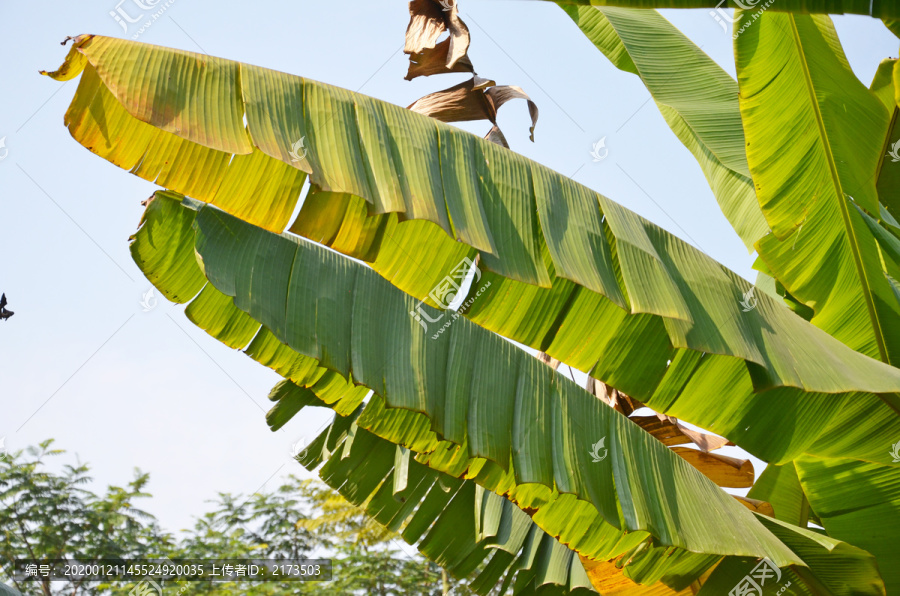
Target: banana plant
175, 229
830, 204
560, 269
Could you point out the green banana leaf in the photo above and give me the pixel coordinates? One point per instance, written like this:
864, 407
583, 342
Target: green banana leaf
456, 523
814, 137
834, 567
157, 243
496, 200
893, 25
780, 486
816, 144
476, 389
858, 502
697, 98
787, 498
875, 8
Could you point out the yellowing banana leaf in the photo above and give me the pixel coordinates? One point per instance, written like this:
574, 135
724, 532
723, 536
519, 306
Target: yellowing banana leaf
685, 307
609, 581
535, 428
875, 8
698, 99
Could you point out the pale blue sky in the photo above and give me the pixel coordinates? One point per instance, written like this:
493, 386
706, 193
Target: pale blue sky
129, 388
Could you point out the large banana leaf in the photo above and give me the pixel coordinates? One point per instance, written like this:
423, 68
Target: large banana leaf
456, 523
686, 308
476, 389
814, 141
160, 243
698, 99
778, 484
858, 502
834, 567
876, 8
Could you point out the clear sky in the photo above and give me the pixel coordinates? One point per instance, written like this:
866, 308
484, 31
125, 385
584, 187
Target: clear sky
83, 363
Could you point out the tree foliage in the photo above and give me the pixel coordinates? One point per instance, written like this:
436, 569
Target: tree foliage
48, 511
